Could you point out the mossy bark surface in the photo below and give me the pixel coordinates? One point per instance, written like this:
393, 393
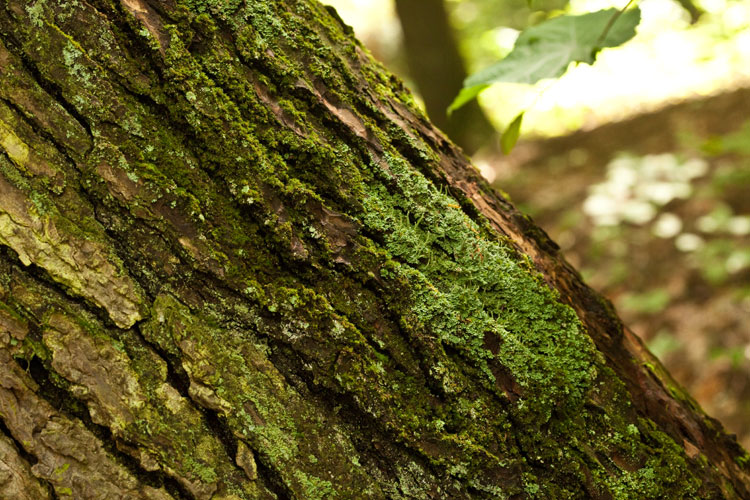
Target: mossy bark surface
236, 262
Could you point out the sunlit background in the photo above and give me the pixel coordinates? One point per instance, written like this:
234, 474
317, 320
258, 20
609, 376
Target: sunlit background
669, 59
638, 167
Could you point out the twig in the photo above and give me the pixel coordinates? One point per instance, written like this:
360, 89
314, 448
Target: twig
611, 22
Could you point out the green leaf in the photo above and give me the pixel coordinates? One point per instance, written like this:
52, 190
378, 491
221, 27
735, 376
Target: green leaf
510, 135
622, 30
547, 49
466, 95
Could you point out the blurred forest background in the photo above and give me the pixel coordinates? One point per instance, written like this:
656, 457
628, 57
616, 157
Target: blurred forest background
637, 166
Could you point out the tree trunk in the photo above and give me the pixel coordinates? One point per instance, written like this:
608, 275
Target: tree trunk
236, 262
439, 72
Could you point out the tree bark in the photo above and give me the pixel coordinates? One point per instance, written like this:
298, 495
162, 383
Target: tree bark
236, 262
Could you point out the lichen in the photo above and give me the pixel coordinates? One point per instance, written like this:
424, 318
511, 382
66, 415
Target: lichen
468, 285
258, 406
307, 273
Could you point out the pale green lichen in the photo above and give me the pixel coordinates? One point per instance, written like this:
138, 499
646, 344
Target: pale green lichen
662, 476
410, 317
35, 11
468, 284
254, 399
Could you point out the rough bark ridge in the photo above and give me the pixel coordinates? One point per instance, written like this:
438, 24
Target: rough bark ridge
236, 262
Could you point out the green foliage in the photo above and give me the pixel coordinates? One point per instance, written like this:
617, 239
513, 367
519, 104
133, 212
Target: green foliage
547, 50
734, 143
479, 22
664, 343
510, 136
649, 302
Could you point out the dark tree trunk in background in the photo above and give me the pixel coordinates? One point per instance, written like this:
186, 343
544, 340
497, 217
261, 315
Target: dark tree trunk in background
237, 263
693, 10
438, 70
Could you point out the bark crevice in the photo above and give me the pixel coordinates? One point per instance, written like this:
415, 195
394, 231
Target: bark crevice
49, 86
311, 275
22, 452
70, 406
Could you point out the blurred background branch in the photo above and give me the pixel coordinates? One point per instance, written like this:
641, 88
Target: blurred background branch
438, 70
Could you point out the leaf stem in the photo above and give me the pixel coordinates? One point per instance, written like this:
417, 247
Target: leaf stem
612, 22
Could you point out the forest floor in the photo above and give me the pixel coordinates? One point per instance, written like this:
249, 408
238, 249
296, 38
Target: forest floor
655, 212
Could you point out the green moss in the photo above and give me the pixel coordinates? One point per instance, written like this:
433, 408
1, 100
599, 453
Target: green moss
743, 460
201, 470
339, 255
59, 471
468, 285
254, 399
314, 488
664, 475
